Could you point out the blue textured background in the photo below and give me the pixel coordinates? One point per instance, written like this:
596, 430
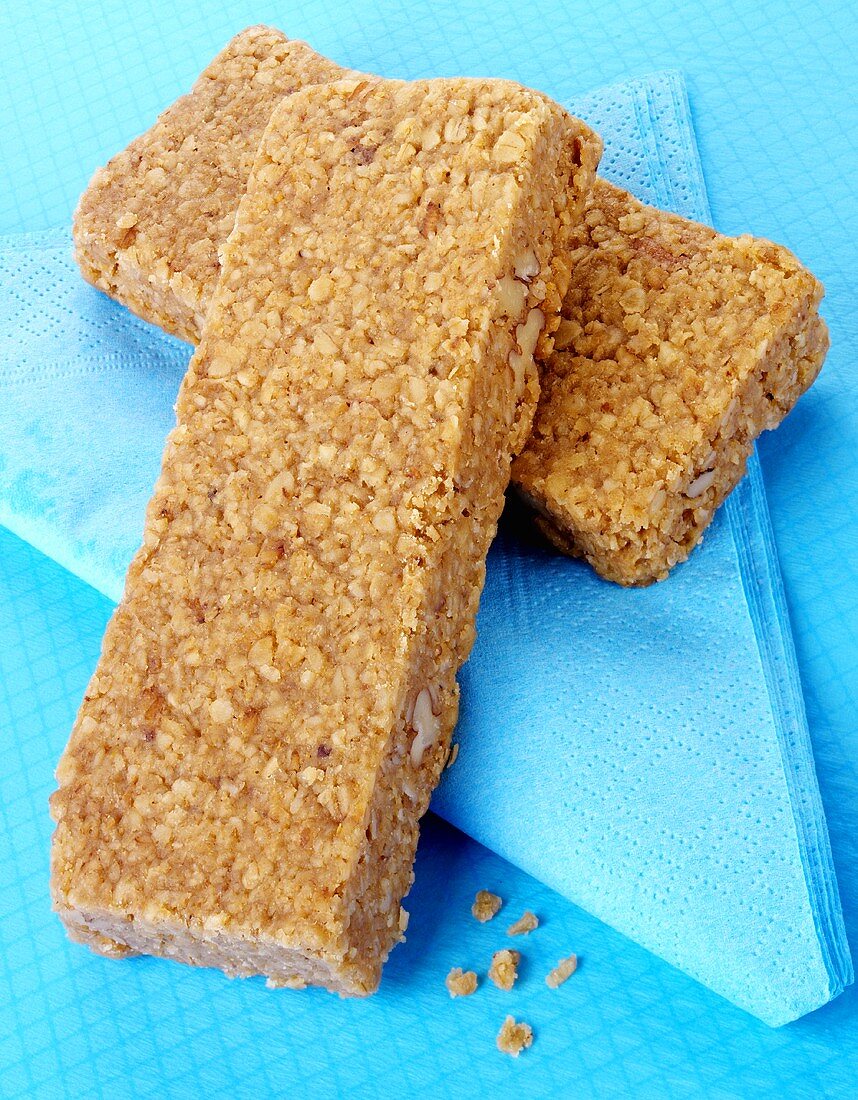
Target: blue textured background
772, 88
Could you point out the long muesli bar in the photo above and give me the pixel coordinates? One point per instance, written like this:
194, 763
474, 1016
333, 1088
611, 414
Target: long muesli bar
678, 347
149, 226
276, 692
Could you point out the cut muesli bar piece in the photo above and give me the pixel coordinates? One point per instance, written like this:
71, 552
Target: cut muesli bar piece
149, 226
277, 688
678, 347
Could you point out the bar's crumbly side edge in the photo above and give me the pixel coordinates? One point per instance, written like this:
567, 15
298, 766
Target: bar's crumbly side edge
356, 926
148, 228
641, 555
631, 485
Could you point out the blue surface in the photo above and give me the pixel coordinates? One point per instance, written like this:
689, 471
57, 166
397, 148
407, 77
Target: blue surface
771, 86
674, 714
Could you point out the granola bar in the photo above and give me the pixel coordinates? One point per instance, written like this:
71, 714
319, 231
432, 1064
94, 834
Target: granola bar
678, 347
149, 226
276, 692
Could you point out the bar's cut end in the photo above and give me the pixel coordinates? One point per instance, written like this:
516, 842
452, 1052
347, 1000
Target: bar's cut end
677, 348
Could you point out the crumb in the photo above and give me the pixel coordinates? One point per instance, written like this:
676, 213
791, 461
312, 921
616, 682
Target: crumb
461, 983
454, 752
564, 969
504, 969
513, 1038
485, 906
525, 923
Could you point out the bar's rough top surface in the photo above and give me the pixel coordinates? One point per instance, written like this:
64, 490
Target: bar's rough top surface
149, 226
276, 691
677, 347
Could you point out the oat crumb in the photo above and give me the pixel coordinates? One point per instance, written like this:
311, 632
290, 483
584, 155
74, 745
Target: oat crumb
504, 969
461, 983
525, 923
564, 969
485, 905
514, 1037
454, 752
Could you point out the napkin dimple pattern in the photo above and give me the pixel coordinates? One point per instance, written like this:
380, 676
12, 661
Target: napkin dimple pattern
647, 152
43, 298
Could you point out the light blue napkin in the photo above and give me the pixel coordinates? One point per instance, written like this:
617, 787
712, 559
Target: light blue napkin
644, 752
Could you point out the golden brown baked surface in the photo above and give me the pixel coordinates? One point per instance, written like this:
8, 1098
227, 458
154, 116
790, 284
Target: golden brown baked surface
275, 697
677, 348
149, 226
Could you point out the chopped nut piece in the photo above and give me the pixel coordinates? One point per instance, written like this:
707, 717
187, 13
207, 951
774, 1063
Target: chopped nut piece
461, 983
701, 484
526, 336
525, 923
564, 969
514, 1037
512, 295
527, 266
504, 969
485, 906
426, 725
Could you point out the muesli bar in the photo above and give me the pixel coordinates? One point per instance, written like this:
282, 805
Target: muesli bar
149, 226
678, 347
277, 688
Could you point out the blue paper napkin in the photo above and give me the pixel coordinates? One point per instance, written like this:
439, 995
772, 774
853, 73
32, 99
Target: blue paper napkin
644, 752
